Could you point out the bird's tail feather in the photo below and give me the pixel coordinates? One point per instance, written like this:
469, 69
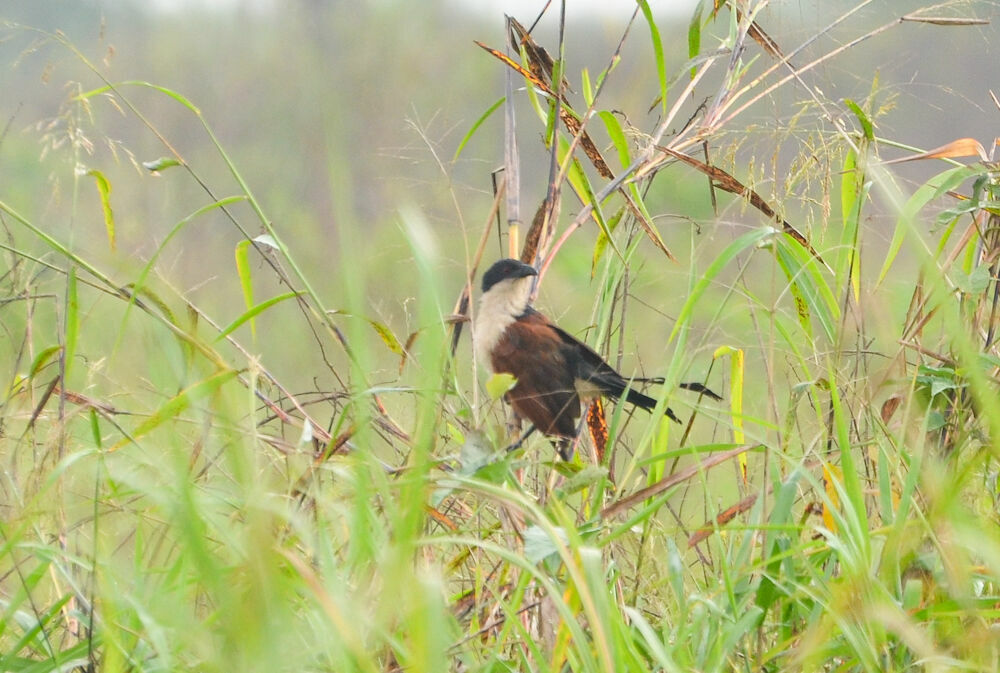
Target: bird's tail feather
616, 389
693, 386
648, 403
699, 388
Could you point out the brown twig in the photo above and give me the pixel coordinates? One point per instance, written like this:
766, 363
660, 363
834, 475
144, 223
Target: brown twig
671, 480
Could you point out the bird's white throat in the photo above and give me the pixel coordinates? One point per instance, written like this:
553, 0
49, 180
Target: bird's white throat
498, 308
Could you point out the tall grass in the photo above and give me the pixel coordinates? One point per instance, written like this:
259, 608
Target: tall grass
171, 503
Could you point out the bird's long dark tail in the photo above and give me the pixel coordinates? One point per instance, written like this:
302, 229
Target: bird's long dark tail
699, 388
648, 403
693, 386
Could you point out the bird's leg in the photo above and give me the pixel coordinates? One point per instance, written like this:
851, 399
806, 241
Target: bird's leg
520, 440
567, 446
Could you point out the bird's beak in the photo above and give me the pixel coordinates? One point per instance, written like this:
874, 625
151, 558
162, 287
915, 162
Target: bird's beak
526, 270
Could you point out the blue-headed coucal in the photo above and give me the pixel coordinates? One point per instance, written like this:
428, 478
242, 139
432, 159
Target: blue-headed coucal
554, 370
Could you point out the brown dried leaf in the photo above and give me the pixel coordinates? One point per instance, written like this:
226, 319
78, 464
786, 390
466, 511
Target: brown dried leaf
527, 74
724, 517
963, 147
628, 501
534, 235
945, 20
589, 148
646, 225
84, 401
764, 40
571, 122
728, 183
539, 60
889, 407
441, 518
413, 337
754, 31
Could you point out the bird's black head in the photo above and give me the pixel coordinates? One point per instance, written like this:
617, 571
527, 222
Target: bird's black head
506, 269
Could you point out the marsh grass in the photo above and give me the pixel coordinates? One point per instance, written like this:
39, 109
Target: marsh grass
172, 504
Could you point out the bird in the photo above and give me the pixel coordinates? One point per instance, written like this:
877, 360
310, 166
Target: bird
554, 371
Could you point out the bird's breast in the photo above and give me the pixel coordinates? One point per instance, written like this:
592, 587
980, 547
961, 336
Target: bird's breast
491, 323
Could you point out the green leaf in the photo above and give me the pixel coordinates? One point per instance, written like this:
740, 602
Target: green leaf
72, 323
654, 34
581, 185
588, 476
538, 546
617, 137
694, 35
927, 192
475, 454
134, 82
744, 242
811, 292
163, 163
475, 127
95, 428
43, 358
253, 312
935, 420
975, 282
246, 282
866, 124
601, 244
178, 403
853, 194
498, 385
588, 91
104, 188
388, 338
913, 590
855, 516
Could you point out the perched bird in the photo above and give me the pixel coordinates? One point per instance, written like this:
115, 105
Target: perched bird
554, 370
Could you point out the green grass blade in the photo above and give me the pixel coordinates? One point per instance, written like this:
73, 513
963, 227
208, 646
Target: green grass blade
867, 128
741, 244
661, 70
59, 247
72, 327
178, 403
475, 127
694, 34
42, 359
852, 196
617, 136
601, 244
139, 286
246, 281
736, 377
140, 83
927, 192
104, 189
253, 312
812, 293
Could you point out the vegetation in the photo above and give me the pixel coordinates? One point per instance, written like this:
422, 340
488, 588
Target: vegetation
284, 458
